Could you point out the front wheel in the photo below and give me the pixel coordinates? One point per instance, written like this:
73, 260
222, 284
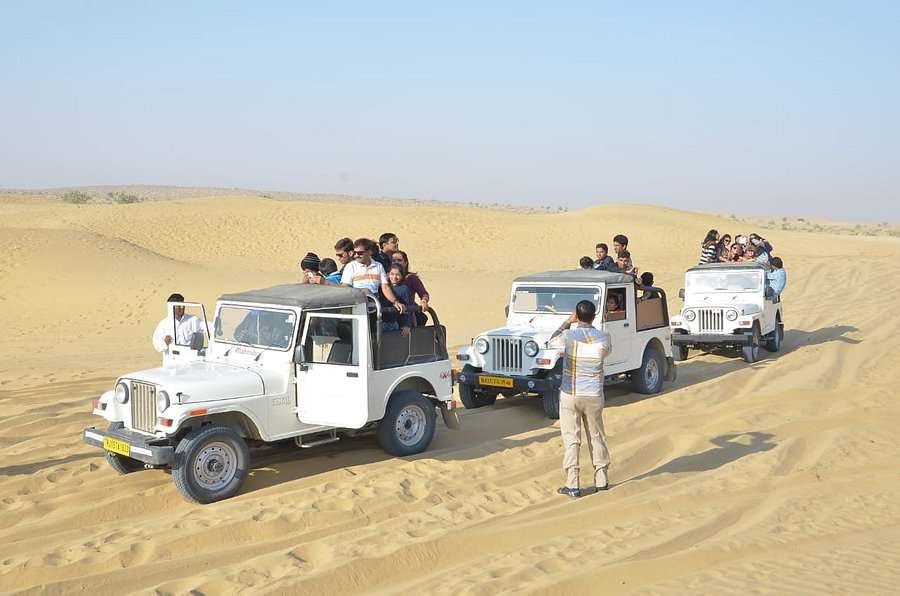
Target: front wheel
471, 397
121, 463
648, 379
211, 464
679, 353
751, 351
408, 424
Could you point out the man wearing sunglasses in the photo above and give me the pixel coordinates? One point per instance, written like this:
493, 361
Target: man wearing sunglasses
366, 274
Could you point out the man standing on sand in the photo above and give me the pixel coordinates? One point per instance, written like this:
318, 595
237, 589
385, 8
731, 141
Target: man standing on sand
581, 395
183, 326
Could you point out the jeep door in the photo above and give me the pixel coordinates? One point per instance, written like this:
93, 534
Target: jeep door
620, 324
332, 371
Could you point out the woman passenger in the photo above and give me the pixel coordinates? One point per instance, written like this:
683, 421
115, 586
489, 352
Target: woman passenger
736, 253
415, 285
390, 318
708, 248
723, 248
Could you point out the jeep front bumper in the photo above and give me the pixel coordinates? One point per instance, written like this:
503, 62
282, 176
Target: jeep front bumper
693, 339
507, 383
136, 445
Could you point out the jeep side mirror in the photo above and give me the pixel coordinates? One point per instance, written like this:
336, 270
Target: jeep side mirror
299, 357
506, 310
681, 293
197, 340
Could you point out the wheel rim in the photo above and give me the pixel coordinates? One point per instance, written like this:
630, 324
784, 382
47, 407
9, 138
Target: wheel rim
216, 465
410, 425
651, 374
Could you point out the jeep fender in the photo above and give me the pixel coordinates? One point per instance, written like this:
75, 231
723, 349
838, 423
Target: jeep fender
241, 420
411, 381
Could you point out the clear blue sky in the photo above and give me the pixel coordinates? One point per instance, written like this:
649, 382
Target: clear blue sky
748, 107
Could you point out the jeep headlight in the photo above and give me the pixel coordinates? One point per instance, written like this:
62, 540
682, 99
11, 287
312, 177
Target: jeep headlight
531, 348
731, 315
122, 392
481, 345
689, 315
162, 401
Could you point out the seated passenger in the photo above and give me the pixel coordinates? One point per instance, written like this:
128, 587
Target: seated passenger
708, 247
624, 264
612, 304
585, 263
776, 279
749, 255
736, 253
391, 320
647, 287
309, 265
723, 248
415, 285
365, 274
604, 262
328, 268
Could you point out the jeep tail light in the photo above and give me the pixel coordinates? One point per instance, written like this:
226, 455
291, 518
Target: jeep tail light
463, 357
543, 361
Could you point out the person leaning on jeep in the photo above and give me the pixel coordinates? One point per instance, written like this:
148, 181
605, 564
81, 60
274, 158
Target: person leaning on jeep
184, 327
581, 395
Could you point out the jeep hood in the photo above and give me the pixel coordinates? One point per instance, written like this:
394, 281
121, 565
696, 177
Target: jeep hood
203, 381
538, 334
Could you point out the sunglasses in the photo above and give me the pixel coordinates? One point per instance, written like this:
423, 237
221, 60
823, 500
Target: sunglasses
359, 253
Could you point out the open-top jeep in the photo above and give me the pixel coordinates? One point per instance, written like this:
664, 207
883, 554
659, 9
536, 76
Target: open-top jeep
302, 362
516, 359
726, 305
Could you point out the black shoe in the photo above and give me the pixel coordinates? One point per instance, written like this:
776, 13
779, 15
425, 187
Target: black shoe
572, 492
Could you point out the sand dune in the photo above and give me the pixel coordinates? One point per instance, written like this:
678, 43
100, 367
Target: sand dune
778, 477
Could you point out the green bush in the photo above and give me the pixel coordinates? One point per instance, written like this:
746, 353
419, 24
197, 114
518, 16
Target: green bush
124, 198
76, 197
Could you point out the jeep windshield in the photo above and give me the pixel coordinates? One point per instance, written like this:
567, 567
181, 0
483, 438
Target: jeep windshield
260, 328
561, 301
723, 281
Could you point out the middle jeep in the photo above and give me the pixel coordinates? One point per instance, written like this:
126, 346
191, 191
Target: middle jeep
515, 359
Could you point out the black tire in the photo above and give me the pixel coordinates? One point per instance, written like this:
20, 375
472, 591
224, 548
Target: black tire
211, 464
648, 379
408, 424
121, 463
550, 401
751, 352
679, 353
470, 396
773, 344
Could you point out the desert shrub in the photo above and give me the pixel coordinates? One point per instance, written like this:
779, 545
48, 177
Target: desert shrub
124, 198
76, 197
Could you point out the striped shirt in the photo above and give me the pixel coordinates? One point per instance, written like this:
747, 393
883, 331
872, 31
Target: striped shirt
364, 277
586, 347
708, 254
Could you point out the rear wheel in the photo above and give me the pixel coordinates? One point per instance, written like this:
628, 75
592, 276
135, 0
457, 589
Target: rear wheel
648, 379
751, 351
408, 424
773, 343
471, 397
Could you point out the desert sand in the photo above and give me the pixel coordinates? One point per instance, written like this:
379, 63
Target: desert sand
774, 478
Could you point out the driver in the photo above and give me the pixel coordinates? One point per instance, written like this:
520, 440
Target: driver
182, 325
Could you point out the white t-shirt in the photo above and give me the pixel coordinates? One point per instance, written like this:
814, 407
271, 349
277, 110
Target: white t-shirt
184, 330
365, 277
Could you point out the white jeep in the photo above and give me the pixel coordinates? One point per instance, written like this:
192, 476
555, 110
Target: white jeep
297, 361
726, 305
516, 359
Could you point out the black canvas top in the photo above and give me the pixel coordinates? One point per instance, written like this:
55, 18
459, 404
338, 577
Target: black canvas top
301, 295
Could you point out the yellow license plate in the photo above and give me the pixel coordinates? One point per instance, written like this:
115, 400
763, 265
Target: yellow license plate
116, 446
495, 381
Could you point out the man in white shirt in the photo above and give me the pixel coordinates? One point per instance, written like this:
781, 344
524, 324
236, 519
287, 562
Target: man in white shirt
366, 274
183, 326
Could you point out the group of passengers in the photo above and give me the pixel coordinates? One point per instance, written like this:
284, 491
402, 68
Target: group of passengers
622, 263
382, 270
751, 248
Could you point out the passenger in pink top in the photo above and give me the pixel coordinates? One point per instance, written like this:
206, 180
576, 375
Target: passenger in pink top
415, 285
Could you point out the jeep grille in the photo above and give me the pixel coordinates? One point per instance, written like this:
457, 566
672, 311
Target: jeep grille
507, 354
143, 406
711, 320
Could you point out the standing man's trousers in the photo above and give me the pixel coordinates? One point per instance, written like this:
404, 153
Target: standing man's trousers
572, 410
